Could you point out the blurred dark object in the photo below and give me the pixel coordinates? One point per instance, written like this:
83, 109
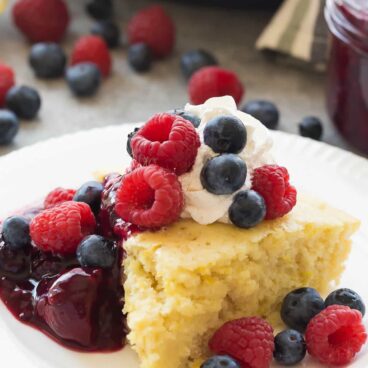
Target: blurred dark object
100, 9
193, 60
270, 4
108, 30
140, 57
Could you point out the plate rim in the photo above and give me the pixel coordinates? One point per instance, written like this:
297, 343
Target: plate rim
74, 135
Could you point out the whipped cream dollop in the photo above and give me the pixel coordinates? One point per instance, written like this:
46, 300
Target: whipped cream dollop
201, 205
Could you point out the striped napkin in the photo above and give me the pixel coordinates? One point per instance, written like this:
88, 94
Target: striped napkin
298, 30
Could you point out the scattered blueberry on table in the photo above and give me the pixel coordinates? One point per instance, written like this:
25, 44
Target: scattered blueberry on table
100, 9
24, 101
9, 126
311, 127
84, 79
193, 60
140, 57
108, 30
265, 111
48, 60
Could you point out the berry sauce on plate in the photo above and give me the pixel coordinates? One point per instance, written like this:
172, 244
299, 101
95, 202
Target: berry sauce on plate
78, 307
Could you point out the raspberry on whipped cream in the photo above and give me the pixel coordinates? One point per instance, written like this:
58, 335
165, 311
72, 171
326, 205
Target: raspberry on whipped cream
201, 205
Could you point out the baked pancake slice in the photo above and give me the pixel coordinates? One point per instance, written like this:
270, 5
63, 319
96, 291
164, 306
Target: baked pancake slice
185, 281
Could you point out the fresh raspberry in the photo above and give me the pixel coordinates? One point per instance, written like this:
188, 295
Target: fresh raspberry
41, 20
248, 340
214, 81
92, 49
335, 335
6, 81
149, 196
155, 28
166, 140
272, 183
61, 228
57, 196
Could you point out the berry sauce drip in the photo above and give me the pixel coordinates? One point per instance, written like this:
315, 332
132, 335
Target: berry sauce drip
80, 308
110, 224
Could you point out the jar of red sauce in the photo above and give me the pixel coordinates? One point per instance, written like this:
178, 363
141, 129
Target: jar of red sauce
347, 73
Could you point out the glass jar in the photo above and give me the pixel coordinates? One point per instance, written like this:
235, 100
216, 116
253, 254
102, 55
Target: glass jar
347, 73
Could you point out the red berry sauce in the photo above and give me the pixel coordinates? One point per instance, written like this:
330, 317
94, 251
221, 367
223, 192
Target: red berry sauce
80, 308
347, 74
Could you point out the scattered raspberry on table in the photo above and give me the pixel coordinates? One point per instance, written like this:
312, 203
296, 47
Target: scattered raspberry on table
92, 49
214, 81
41, 20
7, 81
154, 27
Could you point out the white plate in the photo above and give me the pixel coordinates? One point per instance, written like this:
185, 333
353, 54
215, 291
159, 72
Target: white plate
26, 175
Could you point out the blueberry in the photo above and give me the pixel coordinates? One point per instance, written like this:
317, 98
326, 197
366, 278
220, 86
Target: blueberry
224, 174
193, 60
9, 126
130, 137
220, 361
24, 101
108, 30
248, 209
84, 79
290, 347
346, 297
96, 251
265, 111
90, 193
47, 60
14, 263
300, 306
311, 127
140, 57
195, 120
15, 231
225, 133
100, 9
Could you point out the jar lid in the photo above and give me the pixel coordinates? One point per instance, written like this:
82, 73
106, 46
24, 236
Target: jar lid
358, 5
356, 11
348, 19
